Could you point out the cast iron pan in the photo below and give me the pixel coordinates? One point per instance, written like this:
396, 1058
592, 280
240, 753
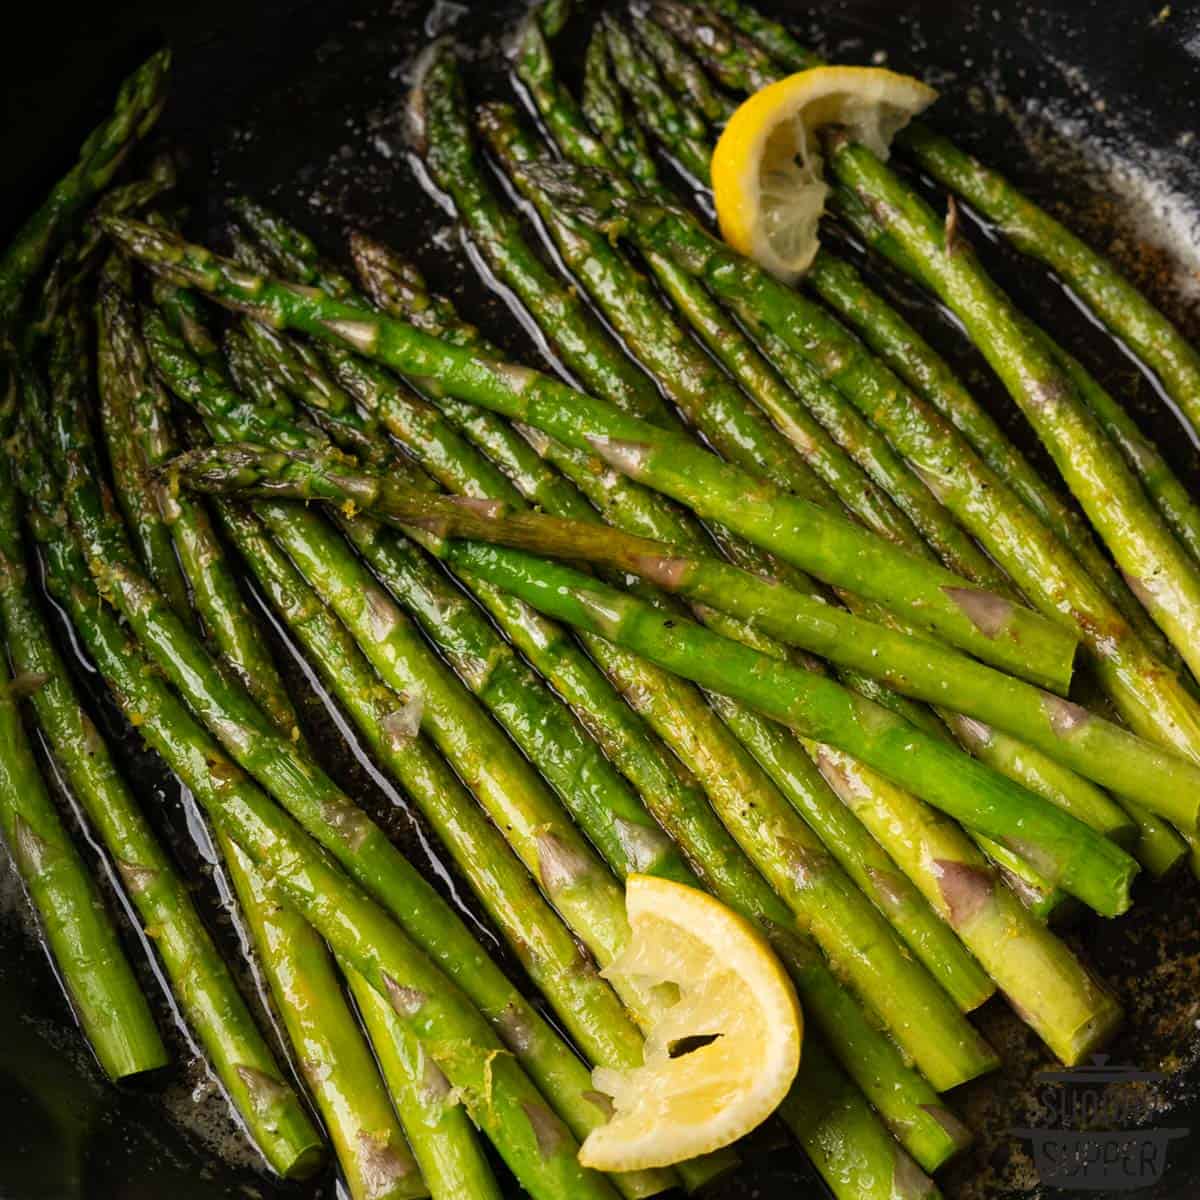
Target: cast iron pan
295, 102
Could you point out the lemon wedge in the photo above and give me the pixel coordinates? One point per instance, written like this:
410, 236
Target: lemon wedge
723, 1051
767, 167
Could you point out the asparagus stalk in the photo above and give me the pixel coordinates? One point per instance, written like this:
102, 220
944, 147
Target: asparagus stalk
849, 1148
209, 999
78, 258
680, 716
682, 73
1127, 313
135, 491
452, 1163
441, 129
82, 940
1170, 496
737, 60
903, 349
1165, 579
671, 123
772, 37
1159, 847
795, 530
333, 1057
139, 102
604, 107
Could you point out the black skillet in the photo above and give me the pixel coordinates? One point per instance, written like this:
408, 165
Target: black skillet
294, 101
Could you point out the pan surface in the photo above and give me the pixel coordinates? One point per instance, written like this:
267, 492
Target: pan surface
1090, 105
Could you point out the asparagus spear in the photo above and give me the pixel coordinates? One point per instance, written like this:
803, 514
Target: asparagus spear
903, 349
915, 666
135, 491
209, 999
847, 1145
795, 530
681, 717
452, 1163
682, 73
139, 101
603, 105
336, 1064
333, 1058
737, 60
600, 363
1170, 496
672, 124
79, 932
772, 37
1117, 302
1164, 578
495, 1090
78, 258
83, 942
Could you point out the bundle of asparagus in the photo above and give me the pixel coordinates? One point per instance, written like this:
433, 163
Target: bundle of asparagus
754, 598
